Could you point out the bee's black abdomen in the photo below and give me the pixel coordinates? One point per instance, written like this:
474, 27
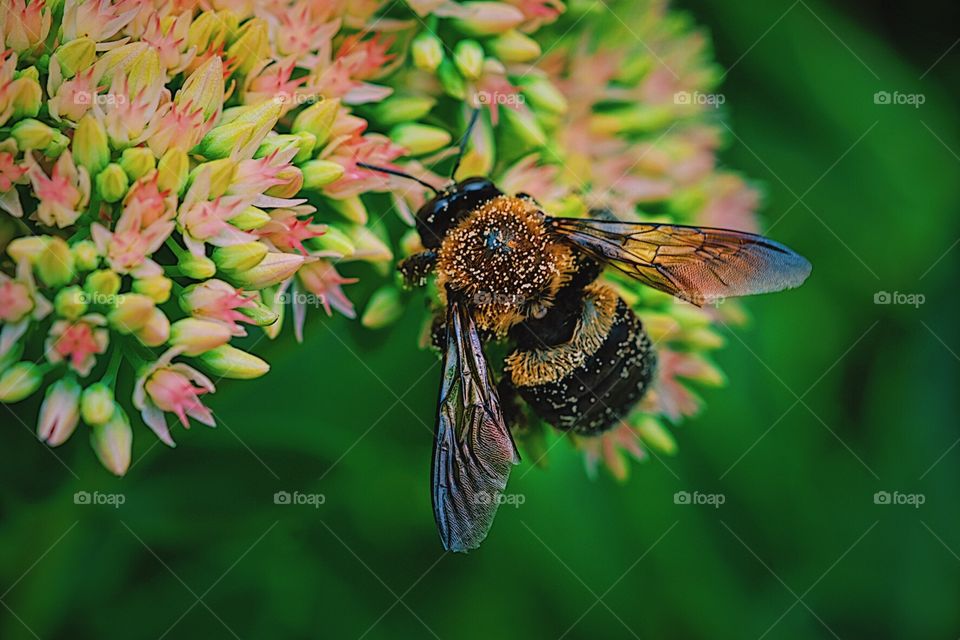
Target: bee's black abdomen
607, 381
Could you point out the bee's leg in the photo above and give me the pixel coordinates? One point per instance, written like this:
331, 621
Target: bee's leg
417, 267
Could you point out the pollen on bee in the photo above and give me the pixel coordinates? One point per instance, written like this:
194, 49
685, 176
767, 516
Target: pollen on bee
503, 258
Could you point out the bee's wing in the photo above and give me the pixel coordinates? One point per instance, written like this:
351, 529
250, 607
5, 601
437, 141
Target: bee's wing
473, 450
696, 264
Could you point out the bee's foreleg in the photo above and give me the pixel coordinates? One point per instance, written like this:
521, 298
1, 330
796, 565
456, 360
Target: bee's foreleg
417, 267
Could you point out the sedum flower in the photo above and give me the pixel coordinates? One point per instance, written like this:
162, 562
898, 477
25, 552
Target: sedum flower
167, 386
63, 194
78, 342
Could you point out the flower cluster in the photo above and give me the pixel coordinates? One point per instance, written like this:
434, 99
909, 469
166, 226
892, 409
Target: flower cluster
175, 173
167, 171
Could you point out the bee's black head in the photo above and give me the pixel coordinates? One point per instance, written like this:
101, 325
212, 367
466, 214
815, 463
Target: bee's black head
450, 206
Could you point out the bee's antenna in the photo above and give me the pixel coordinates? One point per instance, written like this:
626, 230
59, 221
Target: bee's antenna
464, 140
401, 174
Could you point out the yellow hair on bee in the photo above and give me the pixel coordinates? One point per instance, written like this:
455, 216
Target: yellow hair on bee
543, 366
505, 262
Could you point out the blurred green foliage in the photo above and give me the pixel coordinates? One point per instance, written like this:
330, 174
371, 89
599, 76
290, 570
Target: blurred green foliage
831, 399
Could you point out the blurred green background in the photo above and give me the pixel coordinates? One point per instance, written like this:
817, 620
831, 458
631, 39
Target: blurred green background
831, 399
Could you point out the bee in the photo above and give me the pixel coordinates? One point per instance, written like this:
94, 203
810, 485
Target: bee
581, 360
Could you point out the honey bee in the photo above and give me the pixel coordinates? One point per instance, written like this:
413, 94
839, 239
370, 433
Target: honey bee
581, 360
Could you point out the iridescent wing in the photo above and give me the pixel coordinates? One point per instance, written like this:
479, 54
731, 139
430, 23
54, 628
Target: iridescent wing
472, 450
696, 264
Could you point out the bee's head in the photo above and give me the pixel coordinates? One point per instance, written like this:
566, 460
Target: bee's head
451, 205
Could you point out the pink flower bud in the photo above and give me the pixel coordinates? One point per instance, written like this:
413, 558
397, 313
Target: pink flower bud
60, 412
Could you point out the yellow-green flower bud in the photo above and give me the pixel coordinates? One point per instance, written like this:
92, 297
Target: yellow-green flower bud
383, 309
137, 162
333, 241
488, 18
307, 143
524, 125
156, 287
131, 312
57, 146
198, 336
427, 51
196, 267
27, 248
112, 183
55, 264
399, 109
319, 173
25, 97
250, 218
514, 46
173, 170
221, 174
112, 441
542, 94
251, 46
239, 257
453, 83
273, 269
468, 56
260, 314
655, 436
317, 119
32, 134
70, 302
85, 255
19, 381
632, 119
278, 142
156, 331
419, 139
102, 287
96, 404
91, 148
247, 128
203, 88
209, 31
229, 362
351, 208
144, 71
75, 56
12, 355
368, 246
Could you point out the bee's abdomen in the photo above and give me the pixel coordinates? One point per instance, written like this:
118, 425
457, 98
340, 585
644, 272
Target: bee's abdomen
590, 382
